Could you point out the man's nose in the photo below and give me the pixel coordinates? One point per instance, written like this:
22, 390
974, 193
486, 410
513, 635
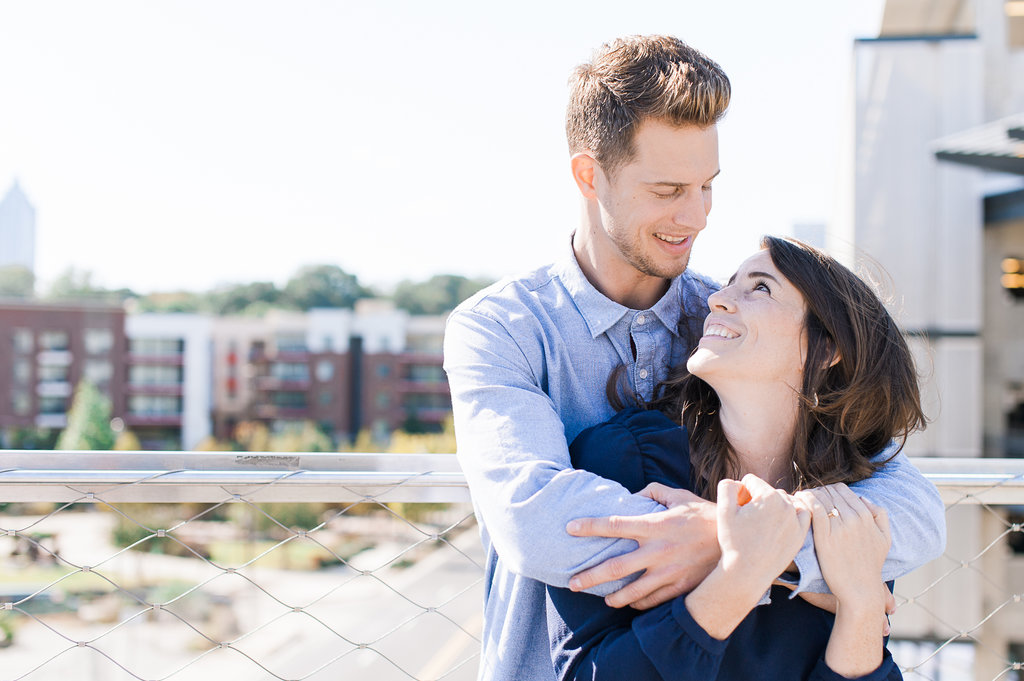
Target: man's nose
692, 212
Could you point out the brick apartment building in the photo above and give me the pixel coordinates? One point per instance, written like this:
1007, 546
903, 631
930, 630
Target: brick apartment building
175, 379
374, 369
46, 350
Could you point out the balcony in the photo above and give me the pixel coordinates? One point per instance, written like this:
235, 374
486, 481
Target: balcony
380, 578
162, 359
171, 389
54, 389
276, 383
54, 358
143, 419
52, 420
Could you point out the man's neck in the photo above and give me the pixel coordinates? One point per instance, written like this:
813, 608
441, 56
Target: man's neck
615, 278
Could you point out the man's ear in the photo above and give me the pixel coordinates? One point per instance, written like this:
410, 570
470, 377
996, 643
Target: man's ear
584, 169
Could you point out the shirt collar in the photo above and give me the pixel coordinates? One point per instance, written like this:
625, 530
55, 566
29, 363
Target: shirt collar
602, 313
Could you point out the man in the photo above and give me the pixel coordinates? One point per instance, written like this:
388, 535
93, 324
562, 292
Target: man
528, 360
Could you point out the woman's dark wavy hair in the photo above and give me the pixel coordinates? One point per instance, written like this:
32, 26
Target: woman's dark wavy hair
849, 409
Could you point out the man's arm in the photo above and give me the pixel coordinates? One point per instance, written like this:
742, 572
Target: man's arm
513, 451
917, 520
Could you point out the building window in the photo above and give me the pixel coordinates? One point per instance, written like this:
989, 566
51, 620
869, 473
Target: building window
290, 371
23, 341
383, 370
154, 405
54, 340
156, 347
22, 370
53, 373
427, 401
324, 370
426, 373
290, 342
289, 399
21, 402
98, 371
1014, 23
49, 404
383, 400
144, 374
98, 341
325, 398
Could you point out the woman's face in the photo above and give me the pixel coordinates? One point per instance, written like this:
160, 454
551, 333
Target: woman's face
755, 331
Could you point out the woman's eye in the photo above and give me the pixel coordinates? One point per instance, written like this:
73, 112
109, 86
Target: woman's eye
762, 286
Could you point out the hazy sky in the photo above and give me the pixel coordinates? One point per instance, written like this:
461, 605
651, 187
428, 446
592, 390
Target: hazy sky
184, 144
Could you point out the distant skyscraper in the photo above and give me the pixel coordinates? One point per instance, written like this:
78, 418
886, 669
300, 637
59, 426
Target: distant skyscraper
17, 229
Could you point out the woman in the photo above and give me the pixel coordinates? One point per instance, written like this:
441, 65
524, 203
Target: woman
800, 377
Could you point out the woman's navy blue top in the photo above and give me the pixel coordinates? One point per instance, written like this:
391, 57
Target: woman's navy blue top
784, 639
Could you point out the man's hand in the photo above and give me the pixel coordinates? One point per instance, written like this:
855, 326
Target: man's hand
678, 549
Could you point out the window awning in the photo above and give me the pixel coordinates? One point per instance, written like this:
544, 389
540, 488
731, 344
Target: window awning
995, 146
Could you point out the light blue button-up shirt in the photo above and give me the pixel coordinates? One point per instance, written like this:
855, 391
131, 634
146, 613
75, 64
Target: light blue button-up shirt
528, 360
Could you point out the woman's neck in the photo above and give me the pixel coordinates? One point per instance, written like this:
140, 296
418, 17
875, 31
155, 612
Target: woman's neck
760, 422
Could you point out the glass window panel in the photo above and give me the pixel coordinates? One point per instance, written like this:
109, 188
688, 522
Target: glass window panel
99, 341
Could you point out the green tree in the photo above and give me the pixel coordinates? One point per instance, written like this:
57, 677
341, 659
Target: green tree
238, 298
17, 281
307, 437
439, 294
75, 284
88, 421
177, 301
323, 286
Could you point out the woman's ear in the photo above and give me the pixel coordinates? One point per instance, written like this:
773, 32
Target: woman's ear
836, 358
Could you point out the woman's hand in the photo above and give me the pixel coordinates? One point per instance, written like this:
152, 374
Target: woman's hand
760, 528
758, 538
851, 538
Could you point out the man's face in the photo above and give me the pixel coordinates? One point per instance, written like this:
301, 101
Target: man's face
653, 206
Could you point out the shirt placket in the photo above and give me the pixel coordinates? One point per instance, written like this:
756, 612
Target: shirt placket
641, 331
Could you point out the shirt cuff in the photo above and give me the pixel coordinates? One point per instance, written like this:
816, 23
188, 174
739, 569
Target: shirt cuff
810, 578
696, 632
822, 672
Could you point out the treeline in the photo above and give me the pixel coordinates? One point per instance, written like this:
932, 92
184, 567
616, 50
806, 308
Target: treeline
311, 286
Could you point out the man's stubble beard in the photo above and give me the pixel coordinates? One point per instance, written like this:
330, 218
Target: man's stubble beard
634, 255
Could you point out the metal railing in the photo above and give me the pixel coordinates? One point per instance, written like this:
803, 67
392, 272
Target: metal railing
155, 565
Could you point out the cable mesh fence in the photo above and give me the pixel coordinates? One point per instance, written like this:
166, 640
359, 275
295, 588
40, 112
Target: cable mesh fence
251, 573
292, 567
961, 617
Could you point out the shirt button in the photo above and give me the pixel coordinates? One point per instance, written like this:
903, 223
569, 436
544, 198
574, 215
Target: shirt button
643, 373
641, 320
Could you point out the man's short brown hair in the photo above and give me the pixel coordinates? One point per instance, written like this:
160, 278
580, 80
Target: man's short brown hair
637, 78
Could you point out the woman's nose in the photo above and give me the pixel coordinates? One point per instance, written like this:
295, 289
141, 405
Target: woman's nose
722, 300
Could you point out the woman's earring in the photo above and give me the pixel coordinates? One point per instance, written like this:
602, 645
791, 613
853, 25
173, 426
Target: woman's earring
815, 399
